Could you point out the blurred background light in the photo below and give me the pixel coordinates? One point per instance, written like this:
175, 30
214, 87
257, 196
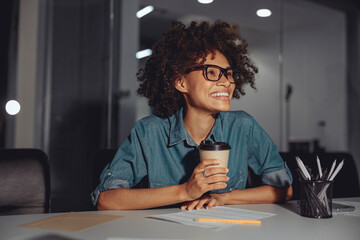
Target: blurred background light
12, 107
205, 1
144, 11
143, 53
263, 12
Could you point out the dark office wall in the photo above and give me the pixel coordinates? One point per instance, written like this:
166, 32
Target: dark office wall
79, 90
354, 85
352, 10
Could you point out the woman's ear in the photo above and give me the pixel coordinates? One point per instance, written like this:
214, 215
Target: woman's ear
180, 84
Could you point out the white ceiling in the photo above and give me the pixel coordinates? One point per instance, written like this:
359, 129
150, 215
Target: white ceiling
242, 12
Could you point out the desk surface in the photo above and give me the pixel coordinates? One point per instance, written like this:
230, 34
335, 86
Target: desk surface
287, 224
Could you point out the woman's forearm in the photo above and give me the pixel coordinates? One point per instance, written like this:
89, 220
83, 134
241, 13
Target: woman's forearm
197, 185
123, 198
262, 194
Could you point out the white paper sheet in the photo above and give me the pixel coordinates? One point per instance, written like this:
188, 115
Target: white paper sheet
187, 217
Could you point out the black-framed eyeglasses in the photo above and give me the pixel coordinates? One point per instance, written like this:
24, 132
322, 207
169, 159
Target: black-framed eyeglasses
214, 73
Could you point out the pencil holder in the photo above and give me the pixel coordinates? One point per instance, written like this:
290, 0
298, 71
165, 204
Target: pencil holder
316, 199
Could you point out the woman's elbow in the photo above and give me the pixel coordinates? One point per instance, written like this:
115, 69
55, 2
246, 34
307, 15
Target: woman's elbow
102, 203
109, 200
288, 193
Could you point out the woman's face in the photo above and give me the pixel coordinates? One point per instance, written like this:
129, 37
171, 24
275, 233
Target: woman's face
203, 95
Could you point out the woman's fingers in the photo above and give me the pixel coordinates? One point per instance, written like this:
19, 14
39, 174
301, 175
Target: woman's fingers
196, 204
190, 205
208, 167
210, 171
206, 163
185, 205
216, 179
201, 203
206, 201
206, 176
211, 204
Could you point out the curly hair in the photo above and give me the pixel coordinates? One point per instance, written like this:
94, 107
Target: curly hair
182, 47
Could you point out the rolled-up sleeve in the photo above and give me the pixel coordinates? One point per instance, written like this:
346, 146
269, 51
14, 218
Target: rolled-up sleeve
265, 159
281, 178
126, 169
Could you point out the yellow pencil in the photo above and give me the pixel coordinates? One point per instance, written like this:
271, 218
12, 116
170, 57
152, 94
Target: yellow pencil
228, 220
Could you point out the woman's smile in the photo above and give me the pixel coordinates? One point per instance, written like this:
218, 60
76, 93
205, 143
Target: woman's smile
221, 95
210, 96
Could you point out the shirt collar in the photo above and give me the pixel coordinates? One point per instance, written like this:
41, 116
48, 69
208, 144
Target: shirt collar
178, 133
216, 134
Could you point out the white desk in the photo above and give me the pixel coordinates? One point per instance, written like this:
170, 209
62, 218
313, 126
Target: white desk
287, 224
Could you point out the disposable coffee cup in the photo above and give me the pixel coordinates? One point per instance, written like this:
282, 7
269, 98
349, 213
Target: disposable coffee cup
215, 150
316, 199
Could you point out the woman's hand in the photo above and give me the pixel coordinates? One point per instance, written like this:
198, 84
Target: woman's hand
206, 201
200, 183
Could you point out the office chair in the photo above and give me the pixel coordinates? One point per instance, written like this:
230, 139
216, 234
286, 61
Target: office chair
24, 181
346, 183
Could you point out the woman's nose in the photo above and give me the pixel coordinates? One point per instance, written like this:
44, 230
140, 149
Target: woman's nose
224, 81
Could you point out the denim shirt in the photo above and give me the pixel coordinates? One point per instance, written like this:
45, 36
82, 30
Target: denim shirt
159, 152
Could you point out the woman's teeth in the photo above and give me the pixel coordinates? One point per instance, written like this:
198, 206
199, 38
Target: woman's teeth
220, 94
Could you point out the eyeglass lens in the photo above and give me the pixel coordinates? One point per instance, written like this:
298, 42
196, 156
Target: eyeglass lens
214, 74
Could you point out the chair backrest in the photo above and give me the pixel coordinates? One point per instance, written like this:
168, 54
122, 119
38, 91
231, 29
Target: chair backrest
24, 181
346, 183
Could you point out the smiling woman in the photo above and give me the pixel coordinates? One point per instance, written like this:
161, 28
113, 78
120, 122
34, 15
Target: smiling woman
189, 80
194, 45
209, 88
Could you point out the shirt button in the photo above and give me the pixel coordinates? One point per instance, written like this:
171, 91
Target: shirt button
109, 173
230, 189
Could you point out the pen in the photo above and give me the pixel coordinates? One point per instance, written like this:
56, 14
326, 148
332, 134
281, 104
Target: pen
301, 174
325, 175
319, 166
337, 170
303, 168
228, 220
332, 169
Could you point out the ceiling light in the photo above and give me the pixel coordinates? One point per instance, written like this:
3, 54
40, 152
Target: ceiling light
144, 11
143, 53
205, 1
12, 107
263, 12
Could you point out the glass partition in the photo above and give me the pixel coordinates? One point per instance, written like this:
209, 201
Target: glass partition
300, 50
